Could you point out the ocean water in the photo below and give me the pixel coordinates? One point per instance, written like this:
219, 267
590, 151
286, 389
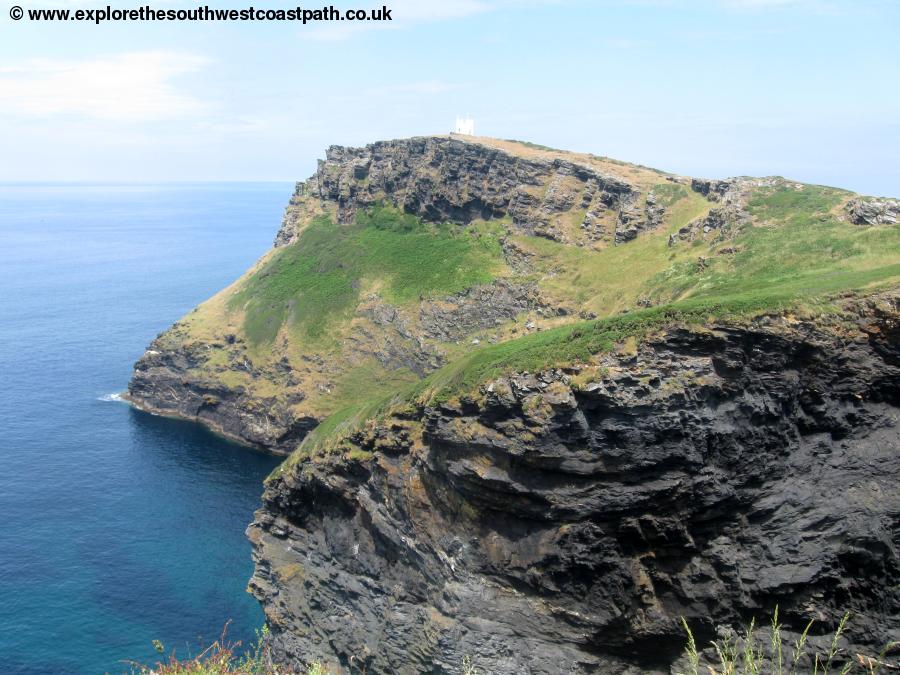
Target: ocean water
117, 527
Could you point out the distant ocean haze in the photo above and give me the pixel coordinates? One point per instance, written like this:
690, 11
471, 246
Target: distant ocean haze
119, 527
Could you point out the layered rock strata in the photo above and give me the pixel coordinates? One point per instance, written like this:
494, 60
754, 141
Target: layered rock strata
564, 521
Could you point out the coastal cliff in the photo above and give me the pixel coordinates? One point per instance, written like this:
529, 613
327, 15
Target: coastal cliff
240, 368
538, 406
394, 259
574, 200
563, 521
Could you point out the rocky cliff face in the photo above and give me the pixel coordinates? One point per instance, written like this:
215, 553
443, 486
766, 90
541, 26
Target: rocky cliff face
453, 179
189, 376
172, 379
563, 521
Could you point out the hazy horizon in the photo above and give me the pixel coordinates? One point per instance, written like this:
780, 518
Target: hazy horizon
714, 88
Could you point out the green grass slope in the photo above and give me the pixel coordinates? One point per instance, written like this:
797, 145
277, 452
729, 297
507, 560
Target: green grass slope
794, 254
316, 282
305, 328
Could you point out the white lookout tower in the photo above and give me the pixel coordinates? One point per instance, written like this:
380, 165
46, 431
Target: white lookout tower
465, 126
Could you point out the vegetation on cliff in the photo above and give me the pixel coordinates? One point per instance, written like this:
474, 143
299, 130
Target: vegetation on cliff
757, 651
400, 259
601, 392
226, 657
314, 284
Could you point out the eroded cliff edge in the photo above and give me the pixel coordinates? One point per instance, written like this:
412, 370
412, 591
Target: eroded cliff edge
269, 392
720, 441
563, 520
399, 257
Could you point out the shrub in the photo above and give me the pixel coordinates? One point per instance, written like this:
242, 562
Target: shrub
223, 657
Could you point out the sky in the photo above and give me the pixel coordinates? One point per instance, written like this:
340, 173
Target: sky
806, 89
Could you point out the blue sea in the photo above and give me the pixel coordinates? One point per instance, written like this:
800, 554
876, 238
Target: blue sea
117, 527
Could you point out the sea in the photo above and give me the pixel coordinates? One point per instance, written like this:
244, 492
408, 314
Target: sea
117, 527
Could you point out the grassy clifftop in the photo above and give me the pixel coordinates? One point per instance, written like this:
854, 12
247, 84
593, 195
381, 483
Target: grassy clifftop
463, 258
313, 285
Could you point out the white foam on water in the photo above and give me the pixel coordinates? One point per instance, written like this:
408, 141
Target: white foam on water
111, 397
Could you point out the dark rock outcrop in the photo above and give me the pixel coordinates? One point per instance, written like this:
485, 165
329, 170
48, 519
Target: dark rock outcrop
163, 384
713, 190
872, 211
447, 179
563, 522
719, 222
634, 218
477, 308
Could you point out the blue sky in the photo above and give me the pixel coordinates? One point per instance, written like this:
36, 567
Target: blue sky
802, 88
